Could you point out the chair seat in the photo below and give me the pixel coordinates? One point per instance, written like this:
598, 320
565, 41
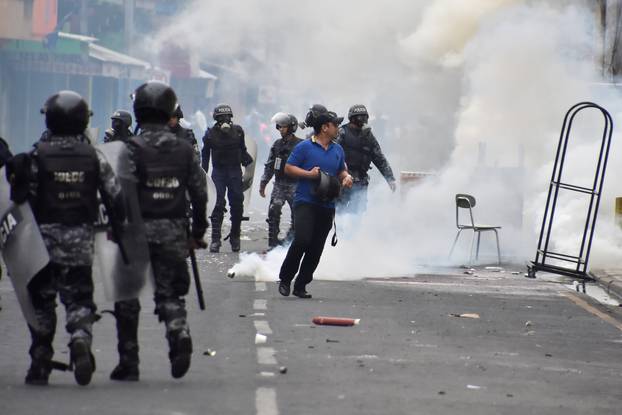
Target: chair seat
480, 227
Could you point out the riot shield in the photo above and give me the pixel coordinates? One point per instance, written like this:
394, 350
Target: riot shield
122, 281
23, 248
211, 194
249, 171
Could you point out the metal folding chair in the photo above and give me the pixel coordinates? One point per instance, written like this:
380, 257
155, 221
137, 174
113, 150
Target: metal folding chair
464, 201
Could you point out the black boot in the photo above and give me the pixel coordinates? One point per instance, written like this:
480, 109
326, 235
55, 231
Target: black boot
216, 234
125, 372
273, 232
180, 345
82, 360
236, 229
126, 314
41, 353
38, 373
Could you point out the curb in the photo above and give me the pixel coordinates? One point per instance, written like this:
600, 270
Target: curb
611, 281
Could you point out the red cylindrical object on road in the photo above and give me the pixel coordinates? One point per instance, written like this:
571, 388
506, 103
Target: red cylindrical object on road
335, 321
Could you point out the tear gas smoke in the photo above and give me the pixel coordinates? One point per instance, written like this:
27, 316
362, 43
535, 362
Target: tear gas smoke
455, 78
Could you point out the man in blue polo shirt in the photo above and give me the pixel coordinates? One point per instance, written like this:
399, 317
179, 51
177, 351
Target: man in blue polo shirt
314, 205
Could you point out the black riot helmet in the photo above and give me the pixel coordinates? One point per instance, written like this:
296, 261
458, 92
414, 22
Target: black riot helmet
318, 115
222, 113
154, 102
357, 114
124, 116
326, 188
293, 123
357, 109
66, 112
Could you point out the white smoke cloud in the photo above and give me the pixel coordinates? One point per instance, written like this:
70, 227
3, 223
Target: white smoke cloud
445, 29
451, 75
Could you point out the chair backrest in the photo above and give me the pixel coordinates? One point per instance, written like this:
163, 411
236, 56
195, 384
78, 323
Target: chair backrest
464, 201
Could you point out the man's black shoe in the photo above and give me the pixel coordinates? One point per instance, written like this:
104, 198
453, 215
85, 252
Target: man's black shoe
284, 289
301, 294
125, 372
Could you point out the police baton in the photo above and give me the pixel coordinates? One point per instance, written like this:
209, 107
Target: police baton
197, 279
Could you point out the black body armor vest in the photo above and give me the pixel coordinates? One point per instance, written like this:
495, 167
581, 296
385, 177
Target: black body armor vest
163, 179
68, 176
282, 150
357, 150
225, 146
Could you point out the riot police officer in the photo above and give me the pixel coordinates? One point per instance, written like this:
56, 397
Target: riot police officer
166, 168
284, 186
224, 142
65, 174
361, 149
181, 132
120, 127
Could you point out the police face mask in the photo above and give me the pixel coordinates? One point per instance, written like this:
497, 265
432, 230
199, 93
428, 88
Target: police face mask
118, 125
225, 123
361, 121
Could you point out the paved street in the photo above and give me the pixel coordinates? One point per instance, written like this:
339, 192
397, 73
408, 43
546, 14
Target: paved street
521, 346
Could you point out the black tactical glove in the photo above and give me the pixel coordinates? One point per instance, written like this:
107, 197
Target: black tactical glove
18, 175
247, 160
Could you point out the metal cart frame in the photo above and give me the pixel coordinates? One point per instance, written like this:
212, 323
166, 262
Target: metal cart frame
578, 263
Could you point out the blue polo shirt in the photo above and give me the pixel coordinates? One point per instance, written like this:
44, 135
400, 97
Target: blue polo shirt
309, 154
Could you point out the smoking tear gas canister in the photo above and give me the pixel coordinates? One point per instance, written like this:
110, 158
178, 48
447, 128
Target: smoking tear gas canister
336, 321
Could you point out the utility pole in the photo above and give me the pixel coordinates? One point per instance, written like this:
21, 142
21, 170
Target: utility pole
83, 18
130, 5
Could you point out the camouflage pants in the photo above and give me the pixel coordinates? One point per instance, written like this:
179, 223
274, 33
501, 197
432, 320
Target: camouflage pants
281, 194
172, 282
75, 287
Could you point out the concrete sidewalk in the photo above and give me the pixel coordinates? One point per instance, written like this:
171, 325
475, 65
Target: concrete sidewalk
610, 279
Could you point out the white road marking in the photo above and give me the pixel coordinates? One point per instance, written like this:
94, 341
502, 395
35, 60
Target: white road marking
260, 304
265, 402
265, 356
262, 327
265, 398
